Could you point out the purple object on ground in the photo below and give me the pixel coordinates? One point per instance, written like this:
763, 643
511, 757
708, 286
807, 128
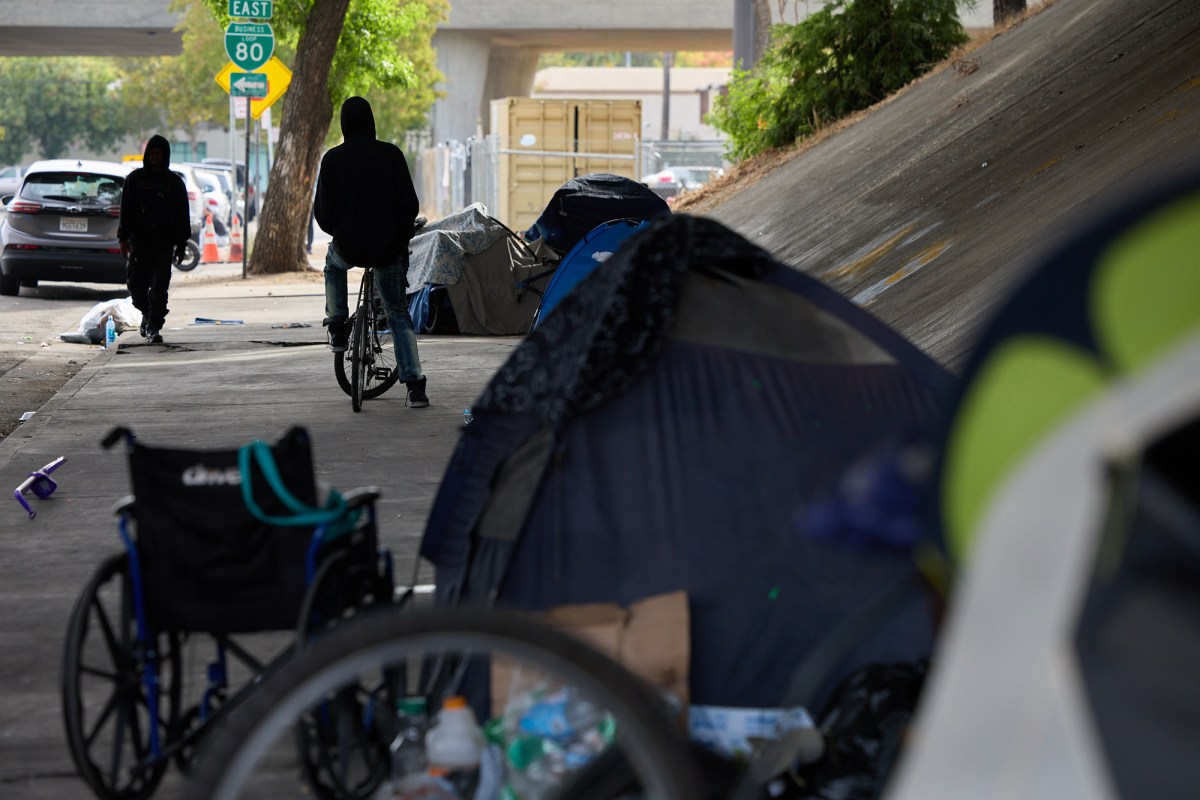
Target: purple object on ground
40, 482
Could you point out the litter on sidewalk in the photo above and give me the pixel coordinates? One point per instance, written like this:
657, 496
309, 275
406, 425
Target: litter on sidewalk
40, 482
207, 321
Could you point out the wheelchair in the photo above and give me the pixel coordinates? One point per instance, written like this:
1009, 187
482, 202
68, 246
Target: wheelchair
231, 560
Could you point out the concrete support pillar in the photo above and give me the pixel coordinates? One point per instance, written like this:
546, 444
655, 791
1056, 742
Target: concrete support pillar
511, 71
463, 60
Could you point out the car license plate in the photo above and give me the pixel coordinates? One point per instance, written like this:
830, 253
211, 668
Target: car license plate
73, 225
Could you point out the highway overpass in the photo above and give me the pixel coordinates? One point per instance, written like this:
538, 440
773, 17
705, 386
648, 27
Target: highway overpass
487, 49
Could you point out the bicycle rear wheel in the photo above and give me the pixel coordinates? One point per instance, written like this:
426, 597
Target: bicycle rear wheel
641, 750
384, 374
359, 359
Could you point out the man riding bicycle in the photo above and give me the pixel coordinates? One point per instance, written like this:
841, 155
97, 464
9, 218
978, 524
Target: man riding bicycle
366, 201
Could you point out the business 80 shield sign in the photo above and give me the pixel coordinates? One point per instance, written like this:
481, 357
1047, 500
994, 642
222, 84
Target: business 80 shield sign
249, 44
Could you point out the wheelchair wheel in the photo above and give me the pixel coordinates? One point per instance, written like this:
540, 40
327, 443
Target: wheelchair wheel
383, 373
343, 741
106, 709
244, 759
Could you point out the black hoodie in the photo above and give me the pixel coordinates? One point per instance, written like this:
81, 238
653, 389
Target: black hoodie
365, 196
154, 202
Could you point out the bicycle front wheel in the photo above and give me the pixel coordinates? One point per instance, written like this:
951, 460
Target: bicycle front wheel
616, 737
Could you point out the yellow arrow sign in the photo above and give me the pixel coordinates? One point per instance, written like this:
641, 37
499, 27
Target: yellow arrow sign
278, 79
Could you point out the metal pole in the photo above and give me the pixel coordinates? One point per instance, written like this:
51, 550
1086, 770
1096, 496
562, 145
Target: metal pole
668, 58
233, 145
246, 204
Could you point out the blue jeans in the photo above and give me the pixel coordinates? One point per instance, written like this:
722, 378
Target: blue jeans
390, 283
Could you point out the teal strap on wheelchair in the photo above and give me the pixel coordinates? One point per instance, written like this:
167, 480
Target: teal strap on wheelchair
334, 512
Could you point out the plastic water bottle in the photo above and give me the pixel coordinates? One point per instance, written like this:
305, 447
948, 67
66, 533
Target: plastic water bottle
408, 748
467, 417
110, 332
454, 745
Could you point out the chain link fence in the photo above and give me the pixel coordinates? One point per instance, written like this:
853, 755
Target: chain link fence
452, 175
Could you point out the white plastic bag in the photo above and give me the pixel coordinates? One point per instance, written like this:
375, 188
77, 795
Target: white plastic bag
91, 326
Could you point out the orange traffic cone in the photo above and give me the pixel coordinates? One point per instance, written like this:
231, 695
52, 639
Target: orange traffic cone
235, 239
210, 254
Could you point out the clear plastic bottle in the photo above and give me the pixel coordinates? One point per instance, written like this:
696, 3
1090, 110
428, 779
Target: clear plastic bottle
454, 745
110, 332
408, 748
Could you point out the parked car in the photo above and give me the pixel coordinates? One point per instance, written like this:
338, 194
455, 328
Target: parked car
62, 225
224, 178
248, 211
10, 180
196, 204
215, 201
671, 181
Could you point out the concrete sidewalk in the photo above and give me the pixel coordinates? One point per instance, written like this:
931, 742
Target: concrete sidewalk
208, 386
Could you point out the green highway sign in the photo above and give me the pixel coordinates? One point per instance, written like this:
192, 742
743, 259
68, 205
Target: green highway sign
247, 84
252, 9
249, 44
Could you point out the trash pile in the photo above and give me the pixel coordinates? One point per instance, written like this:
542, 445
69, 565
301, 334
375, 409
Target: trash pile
91, 327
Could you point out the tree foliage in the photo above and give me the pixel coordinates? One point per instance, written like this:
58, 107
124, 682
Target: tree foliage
847, 56
181, 89
52, 104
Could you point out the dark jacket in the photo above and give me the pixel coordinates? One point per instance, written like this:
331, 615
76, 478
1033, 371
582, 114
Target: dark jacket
365, 196
154, 203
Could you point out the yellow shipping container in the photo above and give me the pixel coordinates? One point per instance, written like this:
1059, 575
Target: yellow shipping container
543, 143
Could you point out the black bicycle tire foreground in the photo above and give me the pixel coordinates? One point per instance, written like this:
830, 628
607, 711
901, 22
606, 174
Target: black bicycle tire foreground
645, 733
121, 723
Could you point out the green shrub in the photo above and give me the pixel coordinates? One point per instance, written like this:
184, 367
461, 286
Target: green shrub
845, 57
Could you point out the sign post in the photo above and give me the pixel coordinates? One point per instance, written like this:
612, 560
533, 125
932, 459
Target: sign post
250, 47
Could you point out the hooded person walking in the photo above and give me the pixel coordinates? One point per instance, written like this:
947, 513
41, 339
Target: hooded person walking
153, 233
366, 201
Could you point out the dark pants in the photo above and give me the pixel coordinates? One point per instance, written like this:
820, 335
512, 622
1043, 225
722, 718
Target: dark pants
147, 276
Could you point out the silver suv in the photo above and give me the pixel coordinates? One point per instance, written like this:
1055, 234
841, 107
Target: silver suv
62, 225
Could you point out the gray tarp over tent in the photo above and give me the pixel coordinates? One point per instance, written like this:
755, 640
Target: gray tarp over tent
472, 256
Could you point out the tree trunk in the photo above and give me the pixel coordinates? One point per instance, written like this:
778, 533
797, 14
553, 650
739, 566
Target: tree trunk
762, 28
1002, 10
307, 112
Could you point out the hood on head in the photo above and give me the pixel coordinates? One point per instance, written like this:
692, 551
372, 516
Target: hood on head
157, 142
357, 119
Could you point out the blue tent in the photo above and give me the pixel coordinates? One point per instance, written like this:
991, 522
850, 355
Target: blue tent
588, 253
683, 420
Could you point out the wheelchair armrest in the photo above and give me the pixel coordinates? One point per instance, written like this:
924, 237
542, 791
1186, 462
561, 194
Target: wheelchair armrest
363, 496
124, 505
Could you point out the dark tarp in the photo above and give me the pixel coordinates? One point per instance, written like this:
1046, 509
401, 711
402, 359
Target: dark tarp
582, 203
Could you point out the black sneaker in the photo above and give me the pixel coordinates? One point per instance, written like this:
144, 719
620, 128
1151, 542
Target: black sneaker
142, 330
416, 394
339, 336
153, 336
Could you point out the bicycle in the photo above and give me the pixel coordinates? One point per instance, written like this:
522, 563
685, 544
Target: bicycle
369, 358
368, 367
